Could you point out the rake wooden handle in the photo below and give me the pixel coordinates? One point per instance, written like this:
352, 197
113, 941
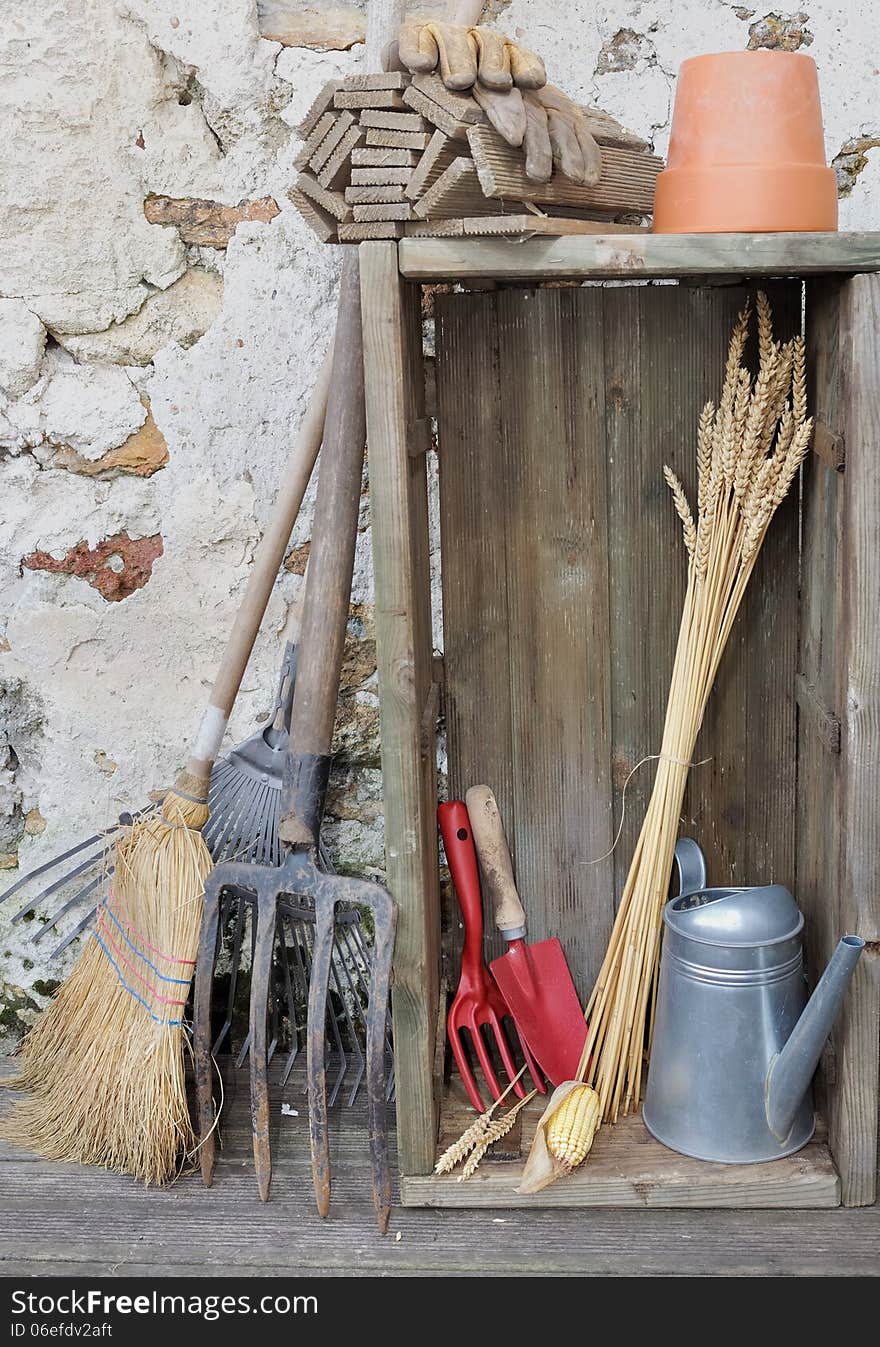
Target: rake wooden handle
267, 558
495, 862
331, 562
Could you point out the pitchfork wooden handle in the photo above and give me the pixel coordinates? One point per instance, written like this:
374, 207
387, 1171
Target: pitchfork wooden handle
495, 862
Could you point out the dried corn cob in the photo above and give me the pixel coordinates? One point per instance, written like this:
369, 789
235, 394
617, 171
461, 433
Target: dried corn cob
571, 1130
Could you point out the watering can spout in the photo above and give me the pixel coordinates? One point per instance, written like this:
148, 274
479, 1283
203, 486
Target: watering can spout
791, 1071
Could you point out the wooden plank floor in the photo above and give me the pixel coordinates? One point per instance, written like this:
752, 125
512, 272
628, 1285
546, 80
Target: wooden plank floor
64, 1219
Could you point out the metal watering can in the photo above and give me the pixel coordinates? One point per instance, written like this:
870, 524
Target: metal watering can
736, 1040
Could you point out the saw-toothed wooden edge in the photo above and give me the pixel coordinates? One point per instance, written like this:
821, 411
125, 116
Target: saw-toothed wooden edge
371, 196
322, 127
463, 107
344, 122
322, 104
393, 121
437, 157
516, 226
332, 202
321, 224
437, 116
404, 140
627, 181
369, 98
456, 192
335, 173
391, 79
375, 157
374, 229
391, 211
380, 177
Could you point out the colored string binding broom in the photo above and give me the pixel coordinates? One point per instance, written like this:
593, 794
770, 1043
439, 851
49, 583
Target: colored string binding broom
103, 1067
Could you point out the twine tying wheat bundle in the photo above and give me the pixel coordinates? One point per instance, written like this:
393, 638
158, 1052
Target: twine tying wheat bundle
749, 450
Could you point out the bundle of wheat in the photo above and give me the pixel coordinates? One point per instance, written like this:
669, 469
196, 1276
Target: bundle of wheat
749, 451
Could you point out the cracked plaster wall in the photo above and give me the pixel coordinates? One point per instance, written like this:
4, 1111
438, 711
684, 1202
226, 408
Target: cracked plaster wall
150, 385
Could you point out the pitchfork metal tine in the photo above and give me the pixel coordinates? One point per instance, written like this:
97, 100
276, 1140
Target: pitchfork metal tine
261, 973
71, 935
319, 982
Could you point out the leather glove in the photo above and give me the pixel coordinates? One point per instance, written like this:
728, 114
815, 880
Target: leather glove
469, 56
551, 129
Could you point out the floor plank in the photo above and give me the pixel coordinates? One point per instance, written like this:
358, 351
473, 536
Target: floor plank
66, 1219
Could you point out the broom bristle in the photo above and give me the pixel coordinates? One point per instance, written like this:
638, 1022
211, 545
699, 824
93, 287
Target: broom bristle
104, 1065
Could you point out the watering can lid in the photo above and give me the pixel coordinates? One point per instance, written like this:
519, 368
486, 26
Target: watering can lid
754, 916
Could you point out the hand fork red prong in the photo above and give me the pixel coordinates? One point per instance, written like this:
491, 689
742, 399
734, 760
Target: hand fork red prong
478, 1001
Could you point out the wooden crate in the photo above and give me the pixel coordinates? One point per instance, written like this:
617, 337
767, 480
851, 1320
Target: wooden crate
562, 584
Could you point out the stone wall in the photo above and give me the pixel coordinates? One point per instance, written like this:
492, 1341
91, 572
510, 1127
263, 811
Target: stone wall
163, 314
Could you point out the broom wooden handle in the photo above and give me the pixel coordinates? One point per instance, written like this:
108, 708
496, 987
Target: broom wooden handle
267, 558
495, 862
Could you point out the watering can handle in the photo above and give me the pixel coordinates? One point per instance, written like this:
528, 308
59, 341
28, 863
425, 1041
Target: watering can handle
495, 862
691, 865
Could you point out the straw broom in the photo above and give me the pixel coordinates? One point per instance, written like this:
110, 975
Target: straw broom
103, 1068
749, 451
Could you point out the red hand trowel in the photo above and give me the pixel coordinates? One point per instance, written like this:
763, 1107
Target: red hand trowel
534, 979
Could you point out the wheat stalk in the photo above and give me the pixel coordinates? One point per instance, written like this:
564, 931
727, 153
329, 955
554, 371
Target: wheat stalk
472, 1136
748, 454
497, 1129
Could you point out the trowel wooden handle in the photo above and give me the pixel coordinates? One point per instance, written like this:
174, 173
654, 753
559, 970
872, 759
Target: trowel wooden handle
495, 862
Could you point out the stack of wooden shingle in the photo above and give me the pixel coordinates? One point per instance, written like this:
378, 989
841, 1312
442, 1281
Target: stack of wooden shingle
394, 154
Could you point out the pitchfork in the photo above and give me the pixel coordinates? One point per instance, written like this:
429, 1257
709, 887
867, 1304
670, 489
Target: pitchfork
478, 1004
300, 887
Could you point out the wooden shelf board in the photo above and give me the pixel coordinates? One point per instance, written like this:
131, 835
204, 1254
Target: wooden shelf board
627, 1168
639, 255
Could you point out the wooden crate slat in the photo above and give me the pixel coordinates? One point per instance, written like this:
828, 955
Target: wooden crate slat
398, 481
551, 478
322, 103
360, 232
628, 1168
838, 846
524, 226
477, 623
740, 805
356, 99
626, 256
380, 177
627, 181
393, 121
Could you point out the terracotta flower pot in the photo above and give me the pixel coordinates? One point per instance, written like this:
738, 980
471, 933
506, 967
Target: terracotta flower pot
747, 151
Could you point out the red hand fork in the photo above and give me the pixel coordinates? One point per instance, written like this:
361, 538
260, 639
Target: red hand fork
478, 1001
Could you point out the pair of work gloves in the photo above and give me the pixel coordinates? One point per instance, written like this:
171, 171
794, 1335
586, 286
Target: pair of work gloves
509, 83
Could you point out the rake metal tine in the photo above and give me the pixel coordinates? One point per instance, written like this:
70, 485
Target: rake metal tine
355, 1040
261, 973
291, 1004
202, 1059
59, 884
107, 835
71, 935
319, 982
237, 939
333, 1020
72, 902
